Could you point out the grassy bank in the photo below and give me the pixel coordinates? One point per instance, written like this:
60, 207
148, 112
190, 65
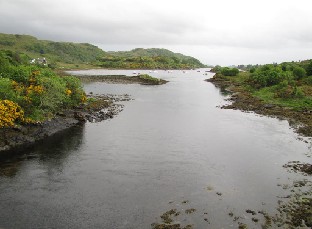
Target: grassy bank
33, 92
280, 90
70, 55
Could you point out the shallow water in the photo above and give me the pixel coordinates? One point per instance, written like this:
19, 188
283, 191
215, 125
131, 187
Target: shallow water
169, 145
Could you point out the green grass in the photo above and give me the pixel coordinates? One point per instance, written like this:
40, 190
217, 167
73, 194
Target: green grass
241, 78
149, 78
268, 95
59, 53
71, 55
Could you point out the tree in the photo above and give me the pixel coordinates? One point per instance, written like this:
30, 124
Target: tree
309, 69
299, 72
229, 71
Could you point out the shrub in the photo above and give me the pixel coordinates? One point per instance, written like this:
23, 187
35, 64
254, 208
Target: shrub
35, 90
229, 71
252, 70
216, 69
299, 72
309, 69
269, 75
287, 91
74, 92
6, 90
149, 78
308, 80
54, 93
10, 112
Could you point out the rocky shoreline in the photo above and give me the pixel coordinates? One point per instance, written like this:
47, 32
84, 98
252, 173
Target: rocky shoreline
101, 108
242, 100
294, 210
119, 79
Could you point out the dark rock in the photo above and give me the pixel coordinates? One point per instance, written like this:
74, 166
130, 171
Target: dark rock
79, 116
268, 106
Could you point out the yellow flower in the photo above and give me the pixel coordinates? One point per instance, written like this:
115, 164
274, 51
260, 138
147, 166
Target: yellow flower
68, 92
83, 98
9, 113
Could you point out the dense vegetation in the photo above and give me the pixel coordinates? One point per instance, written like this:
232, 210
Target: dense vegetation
57, 53
77, 55
288, 84
148, 59
31, 93
226, 71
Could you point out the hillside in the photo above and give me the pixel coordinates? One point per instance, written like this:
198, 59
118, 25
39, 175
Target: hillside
148, 59
80, 55
60, 53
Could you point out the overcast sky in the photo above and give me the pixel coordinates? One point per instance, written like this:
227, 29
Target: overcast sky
214, 31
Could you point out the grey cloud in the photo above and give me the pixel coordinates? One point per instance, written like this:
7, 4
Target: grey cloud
199, 27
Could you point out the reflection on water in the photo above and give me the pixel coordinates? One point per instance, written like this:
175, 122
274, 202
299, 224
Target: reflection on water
52, 152
170, 148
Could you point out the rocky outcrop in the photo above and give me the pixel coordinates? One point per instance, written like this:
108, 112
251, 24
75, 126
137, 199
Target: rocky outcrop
101, 108
121, 79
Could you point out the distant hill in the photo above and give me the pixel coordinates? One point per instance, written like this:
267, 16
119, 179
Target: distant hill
152, 58
62, 52
68, 54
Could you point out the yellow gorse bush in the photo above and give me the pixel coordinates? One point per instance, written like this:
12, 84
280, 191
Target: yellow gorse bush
9, 113
34, 89
83, 98
28, 92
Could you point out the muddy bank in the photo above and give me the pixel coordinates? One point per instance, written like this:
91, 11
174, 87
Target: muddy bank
241, 99
98, 109
120, 79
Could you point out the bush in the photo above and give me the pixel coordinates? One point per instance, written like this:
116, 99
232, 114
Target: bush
229, 71
216, 69
10, 112
269, 75
308, 80
288, 90
252, 70
299, 72
309, 69
6, 90
149, 78
74, 92
37, 91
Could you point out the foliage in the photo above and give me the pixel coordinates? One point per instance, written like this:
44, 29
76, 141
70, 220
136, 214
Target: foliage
225, 71
229, 71
309, 68
149, 78
299, 72
10, 112
74, 91
36, 90
55, 52
269, 75
216, 69
74, 55
287, 84
308, 80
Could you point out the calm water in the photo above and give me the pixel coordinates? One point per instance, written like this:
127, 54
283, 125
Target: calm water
170, 144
